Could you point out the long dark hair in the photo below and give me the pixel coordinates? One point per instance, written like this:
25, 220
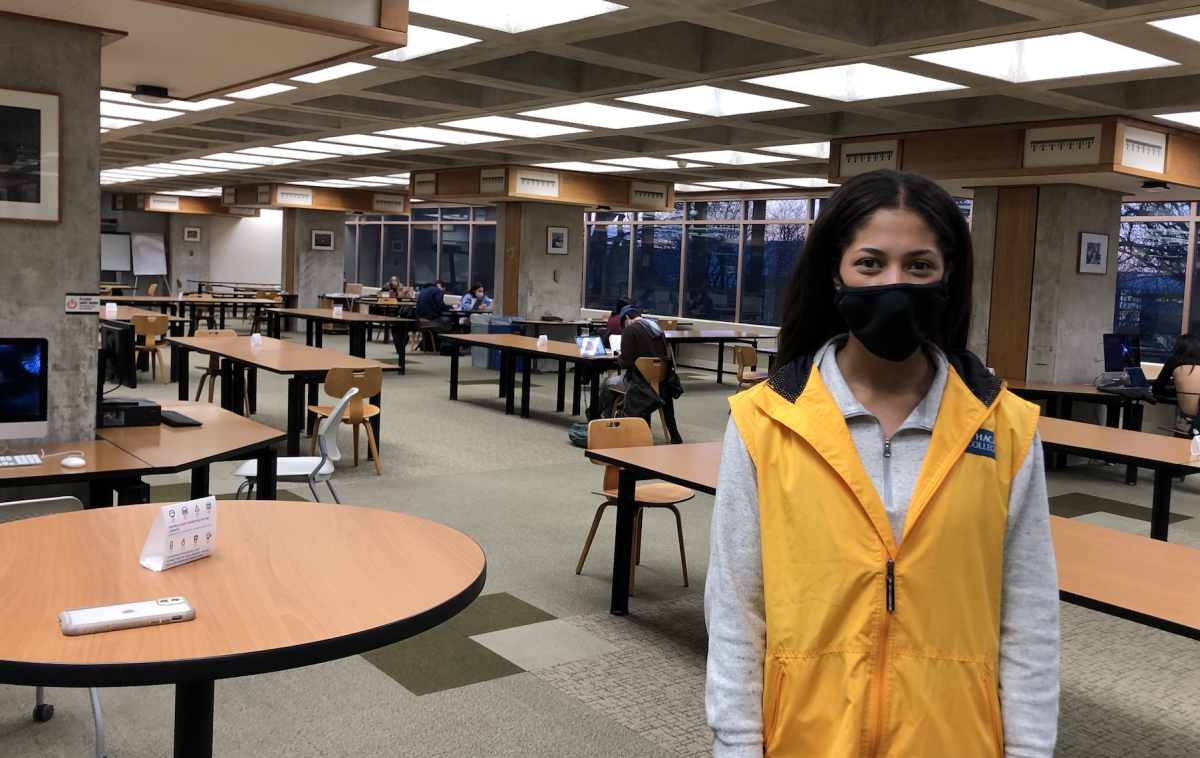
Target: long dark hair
1187, 350
809, 316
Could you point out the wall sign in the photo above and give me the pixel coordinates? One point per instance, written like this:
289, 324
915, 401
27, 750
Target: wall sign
1063, 146
163, 203
424, 184
492, 181
1145, 150
864, 157
1093, 253
539, 183
293, 196
322, 240
388, 203
646, 195
82, 303
556, 240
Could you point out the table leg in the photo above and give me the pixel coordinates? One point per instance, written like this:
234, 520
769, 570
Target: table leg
358, 341
503, 372
376, 401
267, 460
577, 392
595, 394
720, 362
227, 399
308, 332
1132, 418
526, 371
239, 390
179, 364
1160, 513
623, 546
319, 335
100, 494
132, 491
194, 719
561, 405
295, 414
311, 420
252, 388
221, 310
200, 479
454, 375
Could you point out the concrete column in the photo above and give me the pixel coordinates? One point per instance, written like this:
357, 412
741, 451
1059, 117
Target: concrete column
546, 283
44, 261
189, 260
307, 272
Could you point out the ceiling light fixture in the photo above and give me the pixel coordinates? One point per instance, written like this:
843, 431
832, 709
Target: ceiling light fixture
603, 116
1155, 186
513, 127
275, 152
711, 101
1191, 118
422, 41
394, 180
445, 136
329, 147
694, 188
262, 90
1059, 56
252, 160
513, 16
223, 165
647, 162
148, 93
385, 143
732, 157
811, 182
179, 105
116, 123
141, 113
809, 150
740, 185
333, 72
591, 168
857, 81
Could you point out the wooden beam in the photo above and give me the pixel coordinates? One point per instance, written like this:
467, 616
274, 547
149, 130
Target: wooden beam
526, 183
382, 200
393, 14
107, 36
1012, 282
199, 206
302, 22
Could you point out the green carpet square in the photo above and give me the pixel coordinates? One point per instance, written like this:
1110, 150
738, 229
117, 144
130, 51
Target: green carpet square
491, 613
1074, 504
440, 659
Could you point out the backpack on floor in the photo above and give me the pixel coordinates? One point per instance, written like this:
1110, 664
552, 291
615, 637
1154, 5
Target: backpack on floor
578, 434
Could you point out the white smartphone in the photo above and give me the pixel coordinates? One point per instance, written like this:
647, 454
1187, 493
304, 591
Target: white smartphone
110, 618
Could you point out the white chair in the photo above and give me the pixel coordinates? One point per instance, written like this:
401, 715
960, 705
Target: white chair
23, 509
311, 469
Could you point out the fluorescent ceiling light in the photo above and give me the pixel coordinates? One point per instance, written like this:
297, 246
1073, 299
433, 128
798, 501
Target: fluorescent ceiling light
603, 116
731, 157
380, 179
711, 101
807, 181
104, 131
336, 184
275, 152
386, 143
333, 72
446, 136
193, 193
1059, 56
591, 168
116, 123
139, 170
225, 165
179, 105
183, 169
422, 41
1191, 118
809, 150
327, 147
512, 16
120, 110
646, 162
261, 91
858, 81
514, 127
252, 160
693, 188
1184, 26
740, 185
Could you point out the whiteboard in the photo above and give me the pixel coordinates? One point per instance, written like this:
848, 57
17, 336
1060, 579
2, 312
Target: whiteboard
149, 255
115, 252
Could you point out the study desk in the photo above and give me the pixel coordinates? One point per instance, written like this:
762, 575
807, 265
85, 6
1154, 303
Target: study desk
107, 468
289, 584
513, 345
127, 312
179, 306
304, 366
1167, 456
720, 338
356, 322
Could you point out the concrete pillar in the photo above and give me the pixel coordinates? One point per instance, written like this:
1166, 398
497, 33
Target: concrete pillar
546, 282
44, 261
189, 260
307, 272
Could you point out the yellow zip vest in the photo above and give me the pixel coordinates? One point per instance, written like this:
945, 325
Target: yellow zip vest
874, 650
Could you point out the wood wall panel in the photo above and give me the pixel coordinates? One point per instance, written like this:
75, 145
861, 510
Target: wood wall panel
1012, 281
963, 152
512, 258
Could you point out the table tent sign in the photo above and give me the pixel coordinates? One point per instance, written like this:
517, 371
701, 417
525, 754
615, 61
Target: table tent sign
181, 533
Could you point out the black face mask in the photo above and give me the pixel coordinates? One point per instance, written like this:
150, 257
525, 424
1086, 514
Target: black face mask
893, 320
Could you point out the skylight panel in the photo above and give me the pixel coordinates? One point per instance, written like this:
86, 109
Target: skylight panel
385, 143
694, 188
200, 162
514, 127
423, 41
261, 91
444, 136
731, 157
857, 81
393, 180
116, 123
513, 16
603, 116
591, 168
276, 152
333, 72
809, 150
1059, 56
120, 110
647, 162
711, 101
184, 169
179, 105
1191, 118
251, 160
740, 185
213, 192
813, 182
329, 147
1184, 26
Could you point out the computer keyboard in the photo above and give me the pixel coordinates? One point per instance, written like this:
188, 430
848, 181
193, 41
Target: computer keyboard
20, 460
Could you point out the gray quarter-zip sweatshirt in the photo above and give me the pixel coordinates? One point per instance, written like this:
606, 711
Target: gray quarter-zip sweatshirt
735, 609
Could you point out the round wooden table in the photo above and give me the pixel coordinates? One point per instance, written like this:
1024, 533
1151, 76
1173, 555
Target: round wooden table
289, 584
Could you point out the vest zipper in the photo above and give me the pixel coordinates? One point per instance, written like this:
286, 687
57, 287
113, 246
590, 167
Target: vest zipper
881, 660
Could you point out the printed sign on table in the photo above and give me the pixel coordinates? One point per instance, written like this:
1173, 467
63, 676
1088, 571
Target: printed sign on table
181, 533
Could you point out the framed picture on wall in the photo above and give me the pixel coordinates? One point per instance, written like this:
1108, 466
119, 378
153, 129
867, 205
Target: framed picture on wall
191, 234
1093, 253
556, 240
322, 240
29, 156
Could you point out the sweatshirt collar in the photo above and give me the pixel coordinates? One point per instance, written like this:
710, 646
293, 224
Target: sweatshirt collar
923, 416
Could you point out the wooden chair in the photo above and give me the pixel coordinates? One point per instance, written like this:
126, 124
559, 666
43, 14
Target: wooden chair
385, 330
669, 324
152, 290
326, 304
150, 329
368, 382
202, 313
654, 370
259, 317
178, 285
420, 335
354, 289
747, 358
213, 372
632, 432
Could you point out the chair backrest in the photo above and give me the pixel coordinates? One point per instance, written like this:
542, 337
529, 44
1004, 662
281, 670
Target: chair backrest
325, 303
653, 370
368, 382
208, 288
150, 326
23, 509
746, 357
607, 433
266, 295
354, 289
152, 290
669, 324
327, 431
388, 301
204, 334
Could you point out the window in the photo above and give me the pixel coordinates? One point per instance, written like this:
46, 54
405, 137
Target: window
368, 255
350, 266
771, 253
483, 257
380, 247
607, 268
710, 277
1151, 264
656, 259
395, 252
424, 256
455, 260
1156, 209
721, 210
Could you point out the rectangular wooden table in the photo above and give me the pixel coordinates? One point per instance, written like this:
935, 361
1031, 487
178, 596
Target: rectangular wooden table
356, 322
720, 338
180, 306
513, 345
304, 366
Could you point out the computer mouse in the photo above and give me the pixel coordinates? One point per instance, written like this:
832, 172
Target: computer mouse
74, 461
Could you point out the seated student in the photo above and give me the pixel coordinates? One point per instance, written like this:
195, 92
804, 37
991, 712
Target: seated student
431, 305
643, 338
1180, 369
393, 288
640, 338
476, 300
614, 321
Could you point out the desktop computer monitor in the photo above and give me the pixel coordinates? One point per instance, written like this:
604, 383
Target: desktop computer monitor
118, 359
1122, 351
24, 372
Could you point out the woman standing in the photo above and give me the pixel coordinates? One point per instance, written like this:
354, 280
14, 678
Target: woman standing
882, 580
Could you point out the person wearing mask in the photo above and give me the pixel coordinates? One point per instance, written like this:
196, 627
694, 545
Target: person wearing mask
393, 288
1179, 373
882, 580
476, 300
614, 321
